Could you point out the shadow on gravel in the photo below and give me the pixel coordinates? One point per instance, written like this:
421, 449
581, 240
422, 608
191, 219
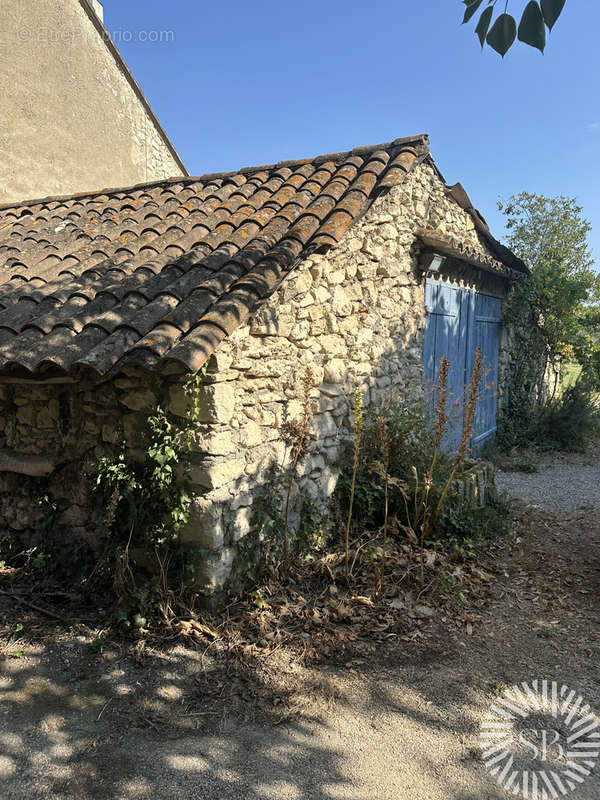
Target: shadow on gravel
79, 724
72, 727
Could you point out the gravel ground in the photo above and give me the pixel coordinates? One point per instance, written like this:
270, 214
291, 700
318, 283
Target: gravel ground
563, 488
563, 483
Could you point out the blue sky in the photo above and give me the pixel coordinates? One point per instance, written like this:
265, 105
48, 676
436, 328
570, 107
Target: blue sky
251, 83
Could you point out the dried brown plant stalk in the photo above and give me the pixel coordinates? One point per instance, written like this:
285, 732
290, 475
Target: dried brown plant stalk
385, 456
357, 442
442, 417
441, 405
111, 512
470, 408
467, 430
425, 517
297, 436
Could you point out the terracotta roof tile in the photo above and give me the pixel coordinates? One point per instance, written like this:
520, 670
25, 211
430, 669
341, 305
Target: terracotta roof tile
159, 274
433, 240
192, 352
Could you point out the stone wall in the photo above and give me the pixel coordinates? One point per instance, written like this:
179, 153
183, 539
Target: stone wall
355, 316
57, 432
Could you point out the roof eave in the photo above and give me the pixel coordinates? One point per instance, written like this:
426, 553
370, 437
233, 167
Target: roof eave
435, 241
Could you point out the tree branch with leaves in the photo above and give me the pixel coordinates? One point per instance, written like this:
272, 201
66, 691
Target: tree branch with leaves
500, 33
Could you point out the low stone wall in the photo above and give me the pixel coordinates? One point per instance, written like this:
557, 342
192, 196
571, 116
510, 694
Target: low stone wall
475, 482
55, 433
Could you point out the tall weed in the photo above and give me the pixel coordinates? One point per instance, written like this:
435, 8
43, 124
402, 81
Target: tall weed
400, 471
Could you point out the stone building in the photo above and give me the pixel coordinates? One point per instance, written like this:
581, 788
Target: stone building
353, 264
73, 117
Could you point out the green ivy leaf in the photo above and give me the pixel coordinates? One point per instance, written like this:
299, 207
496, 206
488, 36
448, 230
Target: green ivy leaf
471, 9
484, 24
552, 9
532, 30
503, 34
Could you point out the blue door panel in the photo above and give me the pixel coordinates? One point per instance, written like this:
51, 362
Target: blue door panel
488, 323
447, 324
459, 321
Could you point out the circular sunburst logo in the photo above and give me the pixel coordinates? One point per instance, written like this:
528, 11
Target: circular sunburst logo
540, 740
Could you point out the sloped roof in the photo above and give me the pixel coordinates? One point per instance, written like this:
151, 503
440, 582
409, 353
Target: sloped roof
159, 274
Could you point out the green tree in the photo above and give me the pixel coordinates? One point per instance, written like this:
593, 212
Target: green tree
551, 236
556, 302
500, 34
552, 313
540, 228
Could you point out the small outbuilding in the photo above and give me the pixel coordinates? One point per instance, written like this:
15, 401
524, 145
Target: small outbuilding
362, 265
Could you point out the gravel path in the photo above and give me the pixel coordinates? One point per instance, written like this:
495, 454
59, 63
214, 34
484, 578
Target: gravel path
565, 487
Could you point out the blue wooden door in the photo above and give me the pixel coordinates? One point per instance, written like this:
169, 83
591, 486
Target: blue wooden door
447, 335
487, 329
459, 321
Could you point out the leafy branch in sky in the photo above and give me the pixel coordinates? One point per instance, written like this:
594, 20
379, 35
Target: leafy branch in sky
501, 34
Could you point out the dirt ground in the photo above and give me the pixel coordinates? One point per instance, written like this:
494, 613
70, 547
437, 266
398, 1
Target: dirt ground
79, 720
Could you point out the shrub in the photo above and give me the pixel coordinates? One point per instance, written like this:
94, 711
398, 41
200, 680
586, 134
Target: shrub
563, 422
400, 469
567, 422
462, 525
133, 557
147, 503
